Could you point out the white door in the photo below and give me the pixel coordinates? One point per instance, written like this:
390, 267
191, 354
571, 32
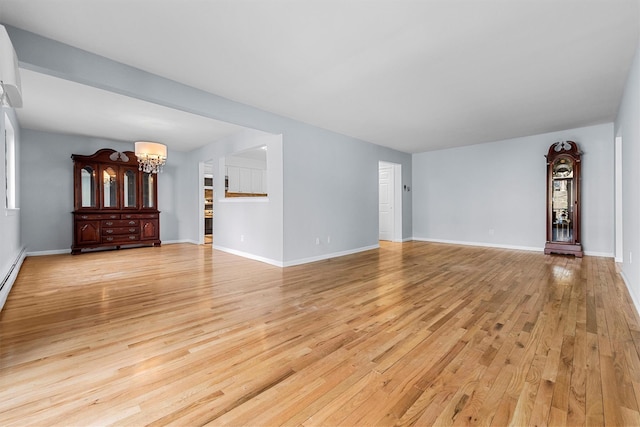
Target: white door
386, 199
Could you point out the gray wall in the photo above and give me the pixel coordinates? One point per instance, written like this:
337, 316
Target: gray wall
331, 189
628, 128
47, 189
329, 180
494, 194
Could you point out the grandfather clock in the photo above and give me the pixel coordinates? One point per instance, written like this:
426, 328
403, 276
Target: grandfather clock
563, 199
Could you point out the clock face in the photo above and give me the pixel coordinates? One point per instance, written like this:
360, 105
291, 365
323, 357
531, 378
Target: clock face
562, 168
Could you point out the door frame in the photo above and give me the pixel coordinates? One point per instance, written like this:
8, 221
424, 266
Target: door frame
201, 175
619, 247
396, 202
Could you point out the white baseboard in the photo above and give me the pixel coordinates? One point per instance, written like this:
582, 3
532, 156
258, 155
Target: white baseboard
52, 252
173, 242
249, 255
600, 254
500, 246
481, 244
10, 276
330, 255
635, 300
296, 261
68, 251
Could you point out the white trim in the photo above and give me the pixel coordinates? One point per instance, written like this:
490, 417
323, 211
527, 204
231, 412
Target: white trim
11, 211
201, 202
481, 244
398, 194
297, 261
600, 254
635, 300
128, 246
51, 252
499, 246
173, 242
331, 255
618, 210
11, 277
250, 256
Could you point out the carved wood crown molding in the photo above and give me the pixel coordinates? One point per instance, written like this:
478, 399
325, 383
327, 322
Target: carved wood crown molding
119, 156
563, 148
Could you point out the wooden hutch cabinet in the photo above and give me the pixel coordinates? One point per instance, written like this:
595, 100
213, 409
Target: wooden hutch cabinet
115, 204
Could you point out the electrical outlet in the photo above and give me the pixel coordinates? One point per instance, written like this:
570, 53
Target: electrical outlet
328, 239
242, 237
630, 257
317, 240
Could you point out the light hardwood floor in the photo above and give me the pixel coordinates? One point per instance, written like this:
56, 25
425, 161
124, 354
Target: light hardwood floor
411, 334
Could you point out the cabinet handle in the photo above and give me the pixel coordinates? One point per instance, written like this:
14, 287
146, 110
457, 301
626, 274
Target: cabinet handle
132, 223
109, 239
132, 230
108, 231
113, 216
84, 217
132, 237
109, 222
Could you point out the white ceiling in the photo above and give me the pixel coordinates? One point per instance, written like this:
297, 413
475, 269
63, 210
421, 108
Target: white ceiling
54, 104
412, 75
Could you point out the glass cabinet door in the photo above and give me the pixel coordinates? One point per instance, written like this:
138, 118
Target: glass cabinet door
87, 187
129, 188
148, 190
562, 201
110, 188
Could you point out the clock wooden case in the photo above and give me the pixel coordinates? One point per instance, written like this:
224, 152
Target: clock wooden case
115, 204
563, 199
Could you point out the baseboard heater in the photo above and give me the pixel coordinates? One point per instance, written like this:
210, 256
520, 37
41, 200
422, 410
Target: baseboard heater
17, 262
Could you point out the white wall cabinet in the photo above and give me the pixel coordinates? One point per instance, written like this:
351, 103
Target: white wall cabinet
233, 179
246, 180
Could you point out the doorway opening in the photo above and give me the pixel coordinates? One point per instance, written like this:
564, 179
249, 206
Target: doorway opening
619, 247
207, 207
390, 201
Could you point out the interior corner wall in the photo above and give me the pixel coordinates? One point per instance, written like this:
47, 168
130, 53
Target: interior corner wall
494, 194
627, 127
11, 246
46, 177
332, 194
251, 227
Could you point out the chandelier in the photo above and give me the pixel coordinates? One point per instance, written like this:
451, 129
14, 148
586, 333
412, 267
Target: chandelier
151, 156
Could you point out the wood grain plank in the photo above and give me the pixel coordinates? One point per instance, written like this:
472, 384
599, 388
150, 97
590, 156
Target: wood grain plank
410, 334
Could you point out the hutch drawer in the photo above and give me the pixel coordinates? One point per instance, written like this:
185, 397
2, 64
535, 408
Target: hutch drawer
120, 223
119, 230
93, 216
121, 239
